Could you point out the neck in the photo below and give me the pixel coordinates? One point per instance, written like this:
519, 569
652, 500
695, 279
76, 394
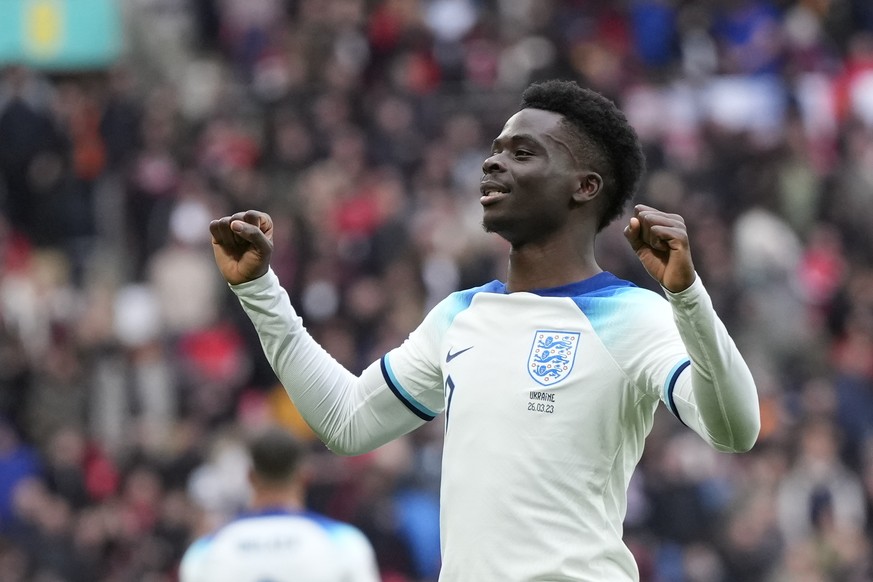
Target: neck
552, 264
288, 497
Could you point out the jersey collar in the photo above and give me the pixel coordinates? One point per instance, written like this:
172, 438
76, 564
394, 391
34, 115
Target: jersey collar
598, 282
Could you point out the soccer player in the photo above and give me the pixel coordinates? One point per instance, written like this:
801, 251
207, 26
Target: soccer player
549, 381
278, 540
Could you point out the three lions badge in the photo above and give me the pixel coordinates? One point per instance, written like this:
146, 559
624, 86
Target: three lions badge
552, 356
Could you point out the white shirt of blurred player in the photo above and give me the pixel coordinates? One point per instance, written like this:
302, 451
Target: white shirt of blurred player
281, 546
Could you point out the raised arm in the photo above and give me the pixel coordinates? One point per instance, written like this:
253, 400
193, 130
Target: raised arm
242, 244
350, 414
716, 396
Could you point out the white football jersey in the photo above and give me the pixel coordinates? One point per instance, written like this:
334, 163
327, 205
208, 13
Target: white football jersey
546, 415
548, 398
281, 546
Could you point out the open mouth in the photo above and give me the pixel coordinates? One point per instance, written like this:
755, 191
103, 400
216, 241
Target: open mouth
492, 193
492, 197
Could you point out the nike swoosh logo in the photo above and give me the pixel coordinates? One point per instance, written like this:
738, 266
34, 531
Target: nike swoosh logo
450, 356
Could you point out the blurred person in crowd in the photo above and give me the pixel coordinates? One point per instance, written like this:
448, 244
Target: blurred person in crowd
546, 411
819, 493
32, 155
748, 536
19, 461
42, 525
278, 539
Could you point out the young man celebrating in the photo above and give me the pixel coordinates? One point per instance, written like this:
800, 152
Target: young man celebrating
549, 380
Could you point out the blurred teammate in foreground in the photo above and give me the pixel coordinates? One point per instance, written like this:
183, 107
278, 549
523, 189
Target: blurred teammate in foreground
278, 540
550, 380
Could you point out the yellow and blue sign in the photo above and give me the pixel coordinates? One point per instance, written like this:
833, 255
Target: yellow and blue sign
60, 34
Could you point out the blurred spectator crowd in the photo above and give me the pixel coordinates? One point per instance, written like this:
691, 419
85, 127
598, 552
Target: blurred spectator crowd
129, 375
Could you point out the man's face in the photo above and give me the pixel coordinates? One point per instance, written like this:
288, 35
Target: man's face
530, 178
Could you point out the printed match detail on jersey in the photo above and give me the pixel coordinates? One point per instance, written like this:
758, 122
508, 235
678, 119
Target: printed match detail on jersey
542, 402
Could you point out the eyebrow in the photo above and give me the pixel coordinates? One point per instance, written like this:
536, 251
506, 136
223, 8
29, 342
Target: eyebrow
517, 137
530, 138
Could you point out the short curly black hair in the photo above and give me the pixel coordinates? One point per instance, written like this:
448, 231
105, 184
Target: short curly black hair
604, 137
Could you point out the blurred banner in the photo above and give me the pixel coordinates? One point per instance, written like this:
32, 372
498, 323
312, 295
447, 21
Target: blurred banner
60, 34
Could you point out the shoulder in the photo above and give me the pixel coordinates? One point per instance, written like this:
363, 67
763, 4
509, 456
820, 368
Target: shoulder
194, 560
606, 287
256, 525
444, 313
618, 304
460, 300
605, 290
353, 546
339, 531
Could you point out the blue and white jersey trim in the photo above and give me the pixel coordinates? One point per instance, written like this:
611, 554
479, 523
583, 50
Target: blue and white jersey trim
417, 408
672, 378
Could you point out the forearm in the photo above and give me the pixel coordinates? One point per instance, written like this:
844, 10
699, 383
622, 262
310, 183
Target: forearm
350, 414
718, 398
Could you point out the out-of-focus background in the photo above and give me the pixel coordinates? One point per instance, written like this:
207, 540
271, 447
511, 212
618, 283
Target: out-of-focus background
129, 375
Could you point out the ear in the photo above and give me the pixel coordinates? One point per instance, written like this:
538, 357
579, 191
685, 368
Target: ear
590, 185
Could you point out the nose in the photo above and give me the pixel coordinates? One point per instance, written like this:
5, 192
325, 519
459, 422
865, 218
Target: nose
492, 164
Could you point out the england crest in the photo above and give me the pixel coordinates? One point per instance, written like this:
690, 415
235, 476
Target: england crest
552, 355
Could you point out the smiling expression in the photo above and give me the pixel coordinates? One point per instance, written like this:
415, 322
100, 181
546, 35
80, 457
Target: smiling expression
533, 179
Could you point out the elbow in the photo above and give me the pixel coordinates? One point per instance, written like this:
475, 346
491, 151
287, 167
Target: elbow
742, 440
345, 449
744, 446
340, 444
347, 444
749, 435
